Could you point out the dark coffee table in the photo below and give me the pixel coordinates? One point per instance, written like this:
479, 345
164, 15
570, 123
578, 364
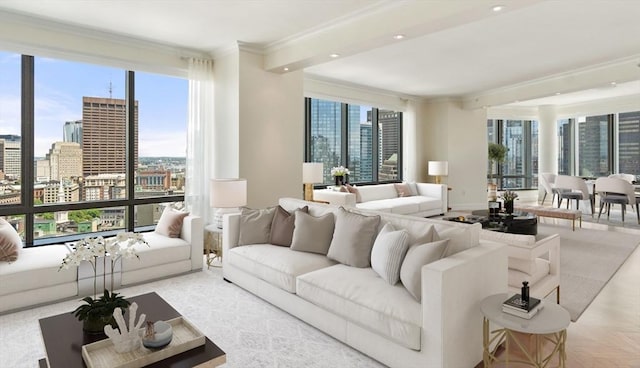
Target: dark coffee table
516, 223
63, 339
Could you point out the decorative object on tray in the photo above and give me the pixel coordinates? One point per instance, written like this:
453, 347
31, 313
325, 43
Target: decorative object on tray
508, 197
98, 312
125, 339
522, 305
157, 335
340, 174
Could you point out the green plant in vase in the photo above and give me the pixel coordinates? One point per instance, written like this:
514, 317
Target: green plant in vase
497, 154
98, 312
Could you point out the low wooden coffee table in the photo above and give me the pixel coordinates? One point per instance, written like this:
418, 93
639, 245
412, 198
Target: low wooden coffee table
63, 339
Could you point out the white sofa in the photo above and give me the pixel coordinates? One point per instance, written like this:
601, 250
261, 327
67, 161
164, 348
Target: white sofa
427, 200
359, 308
33, 279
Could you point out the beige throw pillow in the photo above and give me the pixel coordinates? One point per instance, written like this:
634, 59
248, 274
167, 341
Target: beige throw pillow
353, 238
255, 225
354, 190
403, 189
312, 234
388, 252
10, 242
170, 223
283, 225
418, 256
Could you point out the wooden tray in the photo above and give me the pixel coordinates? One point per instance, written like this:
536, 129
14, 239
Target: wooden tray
102, 354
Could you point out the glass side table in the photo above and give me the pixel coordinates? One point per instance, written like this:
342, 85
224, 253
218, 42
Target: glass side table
548, 325
213, 245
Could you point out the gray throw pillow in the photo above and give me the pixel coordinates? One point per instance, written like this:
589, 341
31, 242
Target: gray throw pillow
388, 253
418, 256
170, 223
312, 234
255, 225
353, 238
283, 225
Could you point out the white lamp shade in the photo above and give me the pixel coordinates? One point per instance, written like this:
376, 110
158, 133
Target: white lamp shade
228, 193
312, 172
438, 168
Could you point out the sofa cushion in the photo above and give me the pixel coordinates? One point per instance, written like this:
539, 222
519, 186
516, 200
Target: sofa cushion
10, 242
282, 226
418, 256
401, 206
35, 268
170, 223
255, 225
312, 234
161, 250
353, 238
403, 190
388, 253
517, 277
427, 203
375, 192
280, 266
366, 300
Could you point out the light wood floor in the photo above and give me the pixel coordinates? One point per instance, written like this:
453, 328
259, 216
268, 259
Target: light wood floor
608, 332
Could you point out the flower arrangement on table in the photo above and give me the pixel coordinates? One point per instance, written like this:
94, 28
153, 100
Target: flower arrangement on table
509, 196
97, 312
339, 173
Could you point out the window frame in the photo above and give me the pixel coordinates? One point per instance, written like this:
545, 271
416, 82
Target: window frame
529, 177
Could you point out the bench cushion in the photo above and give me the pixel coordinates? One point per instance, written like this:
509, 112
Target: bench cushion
366, 300
161, 250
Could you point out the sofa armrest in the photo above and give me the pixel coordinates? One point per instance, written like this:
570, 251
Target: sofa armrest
193, 233
549, 245
434, 191
230, 233
335, 197
452, 289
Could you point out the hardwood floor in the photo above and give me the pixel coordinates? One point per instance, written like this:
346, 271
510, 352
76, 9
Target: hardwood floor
608, 333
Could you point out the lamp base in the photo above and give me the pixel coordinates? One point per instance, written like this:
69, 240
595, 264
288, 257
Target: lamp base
438, 179
219, 215
308, 192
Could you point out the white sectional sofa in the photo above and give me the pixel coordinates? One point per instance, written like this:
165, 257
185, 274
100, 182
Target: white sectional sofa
33, 279
361, 309
426, 199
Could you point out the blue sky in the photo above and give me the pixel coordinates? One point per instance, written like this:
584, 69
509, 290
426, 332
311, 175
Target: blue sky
60, 86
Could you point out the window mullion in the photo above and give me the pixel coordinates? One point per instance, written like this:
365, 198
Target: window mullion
27, 145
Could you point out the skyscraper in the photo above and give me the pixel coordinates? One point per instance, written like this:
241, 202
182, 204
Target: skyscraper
104, 135
629, 143
10, 155
65, 160
72, 131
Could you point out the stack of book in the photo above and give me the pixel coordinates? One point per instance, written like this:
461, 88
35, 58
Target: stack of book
519, 307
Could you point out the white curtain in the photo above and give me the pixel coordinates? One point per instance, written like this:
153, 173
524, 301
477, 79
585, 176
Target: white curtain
200, 138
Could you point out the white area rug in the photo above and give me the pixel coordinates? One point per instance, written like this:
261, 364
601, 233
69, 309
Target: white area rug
588, 260
251, 331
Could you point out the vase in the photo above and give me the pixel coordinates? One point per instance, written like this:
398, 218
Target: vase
492, 191
508, 207
339, 180
96, 325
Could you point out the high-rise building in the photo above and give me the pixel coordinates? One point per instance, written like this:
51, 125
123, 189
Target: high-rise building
65, 160
389, 123
10, 157
72, 131
366, 151
629, 143
104, 135
593, 154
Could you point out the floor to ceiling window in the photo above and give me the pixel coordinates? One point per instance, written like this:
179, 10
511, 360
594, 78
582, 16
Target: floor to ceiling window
520, 169
629, 143
105, 144
365, 139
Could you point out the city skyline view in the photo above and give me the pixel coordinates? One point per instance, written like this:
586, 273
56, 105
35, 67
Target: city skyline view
60, 86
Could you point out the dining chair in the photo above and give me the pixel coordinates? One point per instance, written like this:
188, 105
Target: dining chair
548, 180
617, 191
573, 188
628, 177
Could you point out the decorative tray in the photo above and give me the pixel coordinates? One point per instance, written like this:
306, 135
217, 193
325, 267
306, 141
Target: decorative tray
103, 354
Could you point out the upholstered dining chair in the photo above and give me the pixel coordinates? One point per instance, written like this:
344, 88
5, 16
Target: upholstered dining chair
627, 177
573, 188
548, 182
617, 191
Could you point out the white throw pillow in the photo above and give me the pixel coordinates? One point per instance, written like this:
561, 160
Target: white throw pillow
388, 253
418, 256
458, 240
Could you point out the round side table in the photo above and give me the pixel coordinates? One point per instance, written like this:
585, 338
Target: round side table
213, 244
549, 324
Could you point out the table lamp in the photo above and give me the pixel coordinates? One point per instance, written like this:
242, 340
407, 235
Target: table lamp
438, 169
226, 196
312, 172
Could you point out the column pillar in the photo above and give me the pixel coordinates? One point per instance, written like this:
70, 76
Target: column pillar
547, 142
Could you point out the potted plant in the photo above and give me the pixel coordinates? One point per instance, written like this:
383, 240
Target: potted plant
497, 154
98, 312
508, 197
340, 175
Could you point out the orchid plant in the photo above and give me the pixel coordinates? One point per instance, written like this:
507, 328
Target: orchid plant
509, 196
339, 171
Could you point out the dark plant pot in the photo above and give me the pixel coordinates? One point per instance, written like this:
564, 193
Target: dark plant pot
508, 207
96, 325
340, 180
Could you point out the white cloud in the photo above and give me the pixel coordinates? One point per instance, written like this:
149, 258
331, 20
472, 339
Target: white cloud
155, 144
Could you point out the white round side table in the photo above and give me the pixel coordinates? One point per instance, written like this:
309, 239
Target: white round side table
549, 324
213, 244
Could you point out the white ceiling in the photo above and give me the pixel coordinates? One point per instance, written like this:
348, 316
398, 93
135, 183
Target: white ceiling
531, 49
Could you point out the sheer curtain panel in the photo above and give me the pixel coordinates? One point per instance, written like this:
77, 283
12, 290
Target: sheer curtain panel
199, 137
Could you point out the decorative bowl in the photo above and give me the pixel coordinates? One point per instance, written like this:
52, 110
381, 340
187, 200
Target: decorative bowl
162, 337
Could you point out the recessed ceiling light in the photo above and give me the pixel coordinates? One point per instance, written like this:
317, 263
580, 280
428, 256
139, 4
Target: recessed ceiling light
285, 69
613, 83
398, 37
334, 55
557, 93
498, 8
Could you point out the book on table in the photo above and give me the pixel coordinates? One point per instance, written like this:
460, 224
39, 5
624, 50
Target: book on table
517, 303
522, 313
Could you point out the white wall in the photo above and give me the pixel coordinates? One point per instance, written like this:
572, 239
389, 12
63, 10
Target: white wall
226, 133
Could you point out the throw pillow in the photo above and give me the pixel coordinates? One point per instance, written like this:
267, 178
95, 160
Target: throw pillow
10, 242
388, 253
312, 234
354, 190
458, 240
170, 222
413, 187
353, 238
403, 189
282, 226
255, 225
418, 256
